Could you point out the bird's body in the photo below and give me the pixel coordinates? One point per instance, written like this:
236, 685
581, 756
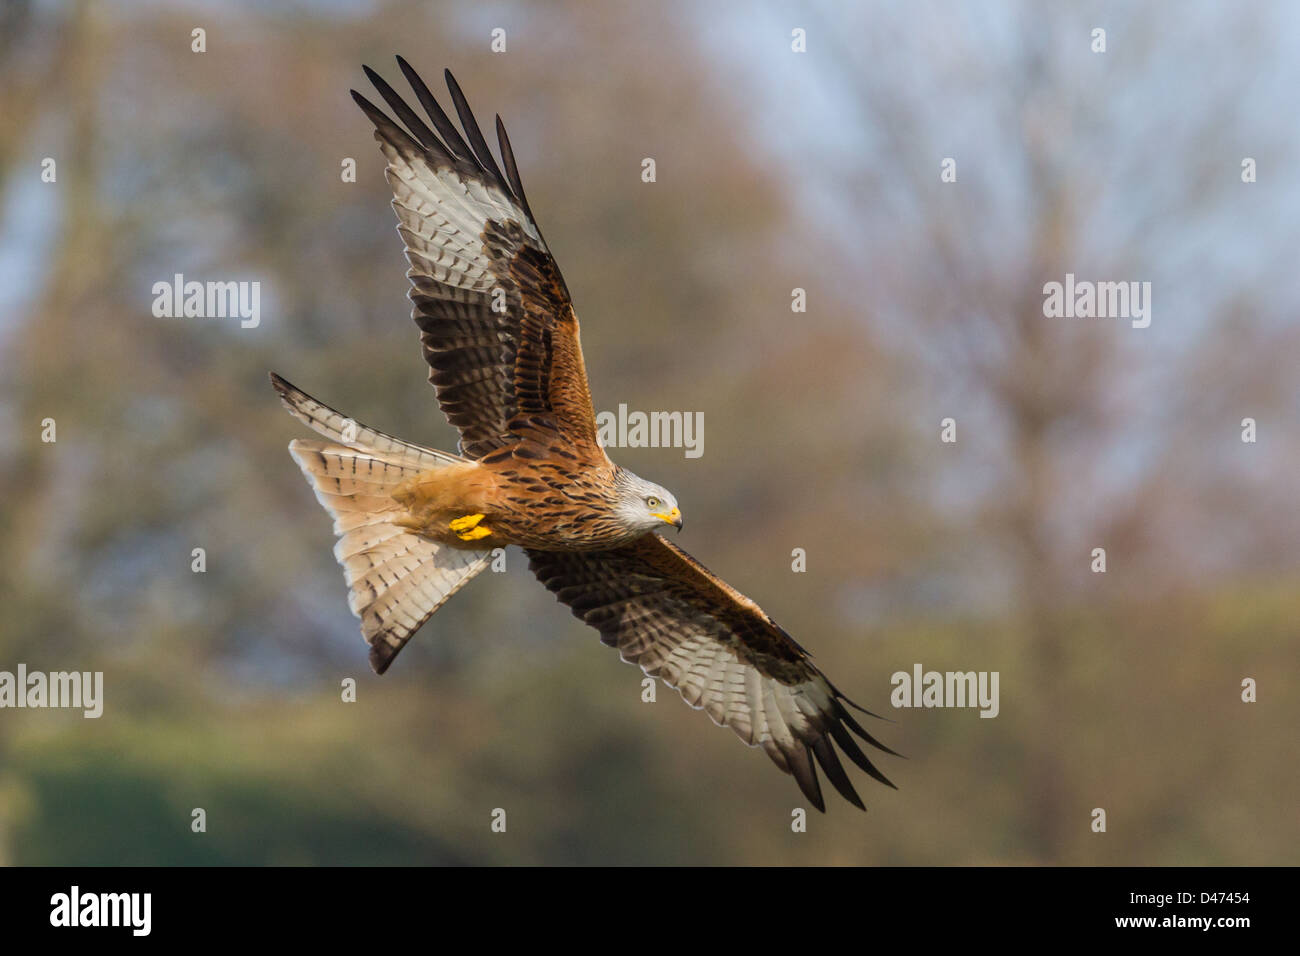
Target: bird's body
415, 524
530, 503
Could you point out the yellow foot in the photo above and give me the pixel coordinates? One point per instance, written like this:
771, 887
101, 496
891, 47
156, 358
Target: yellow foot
465, 523
469, 529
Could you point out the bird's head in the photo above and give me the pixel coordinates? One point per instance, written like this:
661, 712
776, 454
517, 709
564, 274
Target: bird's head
643, 505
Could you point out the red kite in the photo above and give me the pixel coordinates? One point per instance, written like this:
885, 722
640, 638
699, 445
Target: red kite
501, 339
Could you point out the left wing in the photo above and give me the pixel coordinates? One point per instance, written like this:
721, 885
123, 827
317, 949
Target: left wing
681, 623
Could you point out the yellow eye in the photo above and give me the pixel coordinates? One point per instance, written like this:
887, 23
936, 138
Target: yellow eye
653, 502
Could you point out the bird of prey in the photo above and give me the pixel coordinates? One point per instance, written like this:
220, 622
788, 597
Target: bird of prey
500, 336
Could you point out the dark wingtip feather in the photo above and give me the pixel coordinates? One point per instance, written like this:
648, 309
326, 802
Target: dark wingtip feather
825, 754
854, 752
481, 151
446, 128
858, 707
373, 112
512, 169
804, 772
386, 129
419, 129
857, 728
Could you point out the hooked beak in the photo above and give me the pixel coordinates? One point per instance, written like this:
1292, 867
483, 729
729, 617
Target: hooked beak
673, 518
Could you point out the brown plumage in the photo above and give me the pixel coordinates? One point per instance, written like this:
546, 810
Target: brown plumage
500, 336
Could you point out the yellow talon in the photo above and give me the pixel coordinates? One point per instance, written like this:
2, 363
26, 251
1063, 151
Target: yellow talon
482, 531
465, 523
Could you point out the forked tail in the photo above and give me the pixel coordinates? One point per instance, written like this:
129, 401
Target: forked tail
396, 578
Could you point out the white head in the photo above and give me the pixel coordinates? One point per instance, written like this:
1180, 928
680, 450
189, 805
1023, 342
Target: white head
642, 505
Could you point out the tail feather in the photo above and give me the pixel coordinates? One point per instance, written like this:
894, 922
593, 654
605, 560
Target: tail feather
334, 425
396, 578
364, 538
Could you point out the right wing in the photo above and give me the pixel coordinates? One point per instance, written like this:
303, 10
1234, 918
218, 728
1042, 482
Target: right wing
496, 322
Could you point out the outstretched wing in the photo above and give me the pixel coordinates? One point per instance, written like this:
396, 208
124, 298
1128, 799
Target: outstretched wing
681, 623
496, 322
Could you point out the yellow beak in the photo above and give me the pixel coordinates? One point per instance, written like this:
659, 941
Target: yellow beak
673, 518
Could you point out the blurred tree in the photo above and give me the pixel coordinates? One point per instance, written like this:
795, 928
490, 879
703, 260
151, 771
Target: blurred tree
1074, 433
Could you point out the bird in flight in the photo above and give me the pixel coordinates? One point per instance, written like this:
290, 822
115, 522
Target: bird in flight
500, 336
